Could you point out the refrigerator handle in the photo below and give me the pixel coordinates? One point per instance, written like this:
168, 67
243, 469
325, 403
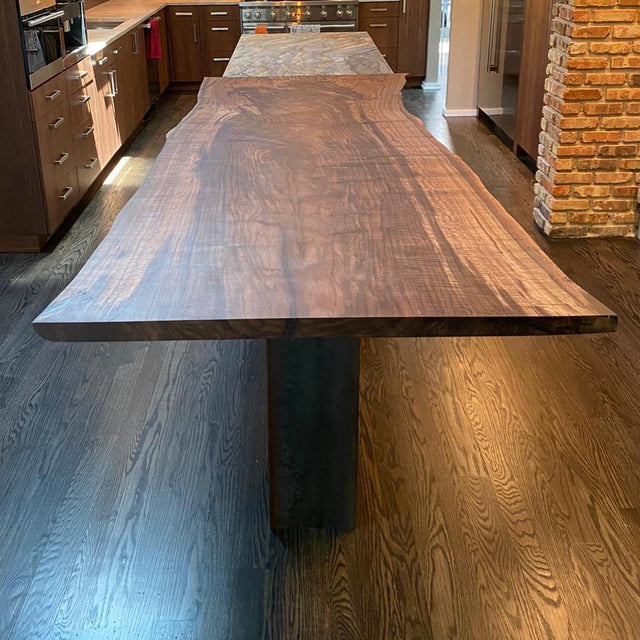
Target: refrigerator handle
493, 54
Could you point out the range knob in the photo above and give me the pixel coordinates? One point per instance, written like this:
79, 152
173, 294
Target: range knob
323, 12
349, 12
339, 11
287, 14
248, 15
307, 13
257, 15
273, 15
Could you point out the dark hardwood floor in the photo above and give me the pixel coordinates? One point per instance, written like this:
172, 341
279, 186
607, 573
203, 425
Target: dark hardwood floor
499, 479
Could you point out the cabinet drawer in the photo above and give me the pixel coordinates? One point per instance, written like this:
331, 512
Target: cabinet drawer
214, 65
87, 155
220, 36
61, 195
377, 9
55, 143
79, 75
383, 31
186, 12
82, 103
48, 96
391, 56
220, 12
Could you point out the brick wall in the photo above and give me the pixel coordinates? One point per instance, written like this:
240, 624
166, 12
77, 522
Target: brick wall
588, 167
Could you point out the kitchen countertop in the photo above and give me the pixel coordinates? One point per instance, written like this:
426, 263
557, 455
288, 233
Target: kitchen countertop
322, 54
134, 13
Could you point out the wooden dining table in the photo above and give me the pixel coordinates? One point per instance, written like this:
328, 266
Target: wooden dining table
312, 211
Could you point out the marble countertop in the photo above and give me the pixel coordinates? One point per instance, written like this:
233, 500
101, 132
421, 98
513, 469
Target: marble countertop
135, 12
308, 54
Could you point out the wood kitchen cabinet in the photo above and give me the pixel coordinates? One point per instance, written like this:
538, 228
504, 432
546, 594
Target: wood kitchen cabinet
185, 44
380, 21
533, 72
220, 28
413, 27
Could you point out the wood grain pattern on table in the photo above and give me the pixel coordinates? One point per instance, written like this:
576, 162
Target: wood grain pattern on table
307, 207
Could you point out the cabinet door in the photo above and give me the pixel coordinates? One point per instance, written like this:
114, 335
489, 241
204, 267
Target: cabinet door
139, 79
164, 70
104, 116
533, 72
413, 26
123, 98
184, 38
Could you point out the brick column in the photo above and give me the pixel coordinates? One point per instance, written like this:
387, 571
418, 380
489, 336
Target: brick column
588, 165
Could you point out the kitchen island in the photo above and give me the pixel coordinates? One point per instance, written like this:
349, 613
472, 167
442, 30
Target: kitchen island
312, 211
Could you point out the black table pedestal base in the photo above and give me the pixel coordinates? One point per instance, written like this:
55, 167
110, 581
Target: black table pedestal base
313, 431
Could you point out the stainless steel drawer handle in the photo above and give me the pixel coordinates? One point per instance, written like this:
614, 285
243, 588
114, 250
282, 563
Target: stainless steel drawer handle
57, 123
218, 13
219, 28
82, 74
117, 51
92, 163
376, 26
67, 192
88, 132
62, 159
379, 10
45, 18
84, 99
349, 26
195, 32
183, 13
221, 59
113, 81
103, 60
54, 95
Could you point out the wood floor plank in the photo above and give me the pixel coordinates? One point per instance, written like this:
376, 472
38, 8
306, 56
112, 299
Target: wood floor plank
499, 478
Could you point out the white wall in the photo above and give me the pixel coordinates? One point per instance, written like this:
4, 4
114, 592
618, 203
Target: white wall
462, 83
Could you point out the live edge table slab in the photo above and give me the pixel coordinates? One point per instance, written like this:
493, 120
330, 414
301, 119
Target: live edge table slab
312, 211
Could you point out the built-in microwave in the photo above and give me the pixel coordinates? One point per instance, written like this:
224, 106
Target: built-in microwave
54, 36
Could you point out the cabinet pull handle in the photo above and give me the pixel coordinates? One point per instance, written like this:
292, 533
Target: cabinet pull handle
91, 164
136, 44
103, 60
54, 95
88, 132
195, 32
404, 6
57, 123
183, 13
82, 74
67, 192
62, 159
219, 28
221, 59
84, 99
381, 25
113, 81
117, 51
218, 13
45, 18
378, 10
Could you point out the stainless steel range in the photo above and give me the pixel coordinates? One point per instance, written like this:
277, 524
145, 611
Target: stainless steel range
289, 17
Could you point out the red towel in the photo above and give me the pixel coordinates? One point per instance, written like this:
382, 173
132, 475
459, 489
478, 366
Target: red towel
154, 48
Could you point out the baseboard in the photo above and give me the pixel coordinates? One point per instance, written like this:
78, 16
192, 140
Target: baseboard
431, 86
459, 113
